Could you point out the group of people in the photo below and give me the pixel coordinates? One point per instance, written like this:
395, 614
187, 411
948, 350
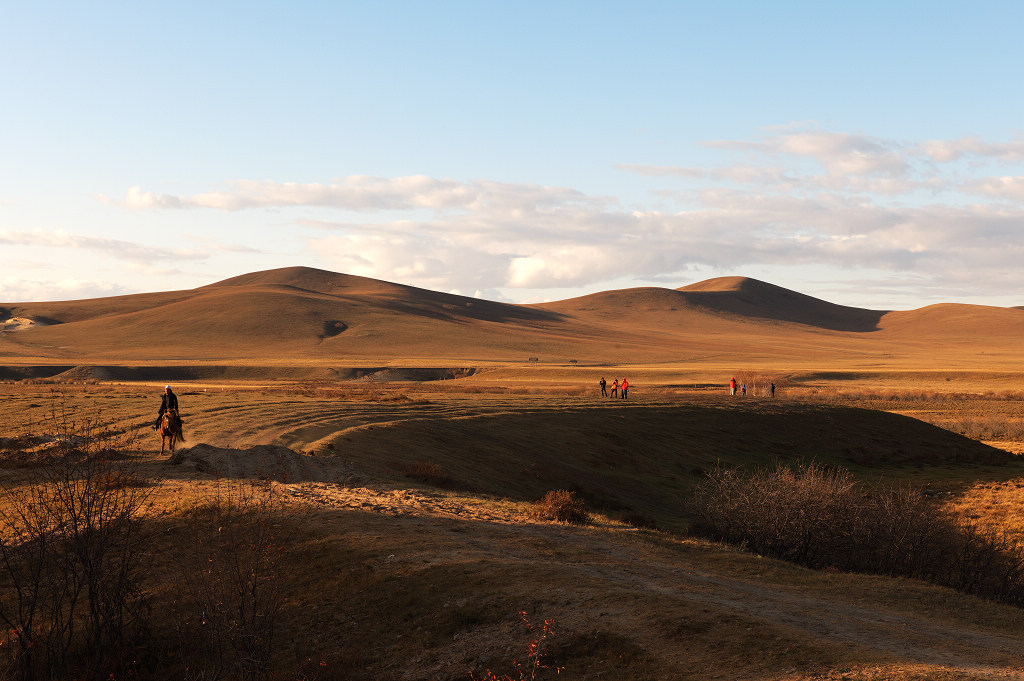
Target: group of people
743, 388
617, 388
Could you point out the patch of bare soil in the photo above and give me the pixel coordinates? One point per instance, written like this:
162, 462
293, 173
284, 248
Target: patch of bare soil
262, 462
36, 451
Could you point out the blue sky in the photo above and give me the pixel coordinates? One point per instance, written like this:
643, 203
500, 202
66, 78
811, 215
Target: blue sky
868, 153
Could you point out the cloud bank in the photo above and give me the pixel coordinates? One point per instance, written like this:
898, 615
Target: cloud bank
947, 213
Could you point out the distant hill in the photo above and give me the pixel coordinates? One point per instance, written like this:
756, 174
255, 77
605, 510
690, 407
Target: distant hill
303, 315
748, 297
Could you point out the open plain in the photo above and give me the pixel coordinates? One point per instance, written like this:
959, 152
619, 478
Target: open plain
404, 438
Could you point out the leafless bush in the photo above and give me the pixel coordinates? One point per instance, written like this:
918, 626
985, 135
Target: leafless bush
563, 506
230, 587
821, 517
72, 554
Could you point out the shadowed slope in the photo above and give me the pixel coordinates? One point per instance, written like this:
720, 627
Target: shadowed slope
748, 297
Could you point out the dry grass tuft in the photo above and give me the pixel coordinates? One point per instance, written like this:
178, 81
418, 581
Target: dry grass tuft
430, 473
562, 506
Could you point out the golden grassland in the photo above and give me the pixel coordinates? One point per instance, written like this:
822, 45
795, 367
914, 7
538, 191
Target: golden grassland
406, 436
410, 544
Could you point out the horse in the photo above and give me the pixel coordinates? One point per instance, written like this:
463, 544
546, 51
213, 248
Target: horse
170, 428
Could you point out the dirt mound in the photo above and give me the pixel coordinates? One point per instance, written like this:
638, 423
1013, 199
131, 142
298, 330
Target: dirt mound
263, 462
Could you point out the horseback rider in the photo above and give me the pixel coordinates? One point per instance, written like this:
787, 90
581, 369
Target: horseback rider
170, 401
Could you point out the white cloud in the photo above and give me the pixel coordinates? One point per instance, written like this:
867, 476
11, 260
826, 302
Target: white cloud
793, 197
1002, 187
945, 151
111, 248
840, 154
361, 193
20, 290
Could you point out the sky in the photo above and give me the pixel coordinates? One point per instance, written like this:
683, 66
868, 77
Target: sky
869, 153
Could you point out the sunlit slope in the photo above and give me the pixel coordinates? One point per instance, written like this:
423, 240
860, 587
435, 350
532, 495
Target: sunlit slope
296, 313
301, 314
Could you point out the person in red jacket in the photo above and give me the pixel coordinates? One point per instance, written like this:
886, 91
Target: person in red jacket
625, 387
732, 386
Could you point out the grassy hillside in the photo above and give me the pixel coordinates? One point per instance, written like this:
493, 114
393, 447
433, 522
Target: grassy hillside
314, 317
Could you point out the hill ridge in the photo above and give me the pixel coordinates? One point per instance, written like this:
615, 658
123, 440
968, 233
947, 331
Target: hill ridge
298, 313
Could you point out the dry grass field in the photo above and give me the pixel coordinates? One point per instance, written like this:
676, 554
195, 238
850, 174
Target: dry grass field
375, 455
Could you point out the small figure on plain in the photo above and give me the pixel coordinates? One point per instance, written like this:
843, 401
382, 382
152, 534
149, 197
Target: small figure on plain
604, 391
615, 387
169, 401
732, 386
771, 390
744, 388
625, 387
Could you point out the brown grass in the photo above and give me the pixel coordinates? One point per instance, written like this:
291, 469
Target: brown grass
390, 578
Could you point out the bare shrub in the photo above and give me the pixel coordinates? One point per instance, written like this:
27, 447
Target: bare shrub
72, 554
563, 506
229, 588
538, 656
821, 517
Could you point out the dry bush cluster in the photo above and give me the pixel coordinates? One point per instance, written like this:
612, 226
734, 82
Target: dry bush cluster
988, 427
562, 506
72, 556
821, 517
77, 557
229, 587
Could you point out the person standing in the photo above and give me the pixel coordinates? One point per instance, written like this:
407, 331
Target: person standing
604, 391
771, 390
732, 386
615, 387
744, 388
625, 387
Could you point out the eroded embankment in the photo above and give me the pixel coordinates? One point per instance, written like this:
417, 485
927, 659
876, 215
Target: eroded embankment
178, 373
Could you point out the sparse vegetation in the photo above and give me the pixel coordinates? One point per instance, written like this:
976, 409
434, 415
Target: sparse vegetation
538, 656
821, 517
229, 587
72, 557
385, 579
428, 472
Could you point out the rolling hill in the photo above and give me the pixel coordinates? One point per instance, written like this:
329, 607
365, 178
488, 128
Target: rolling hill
306, 316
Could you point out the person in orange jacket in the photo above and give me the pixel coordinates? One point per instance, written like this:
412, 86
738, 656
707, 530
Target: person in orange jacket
625, 387
615, 387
